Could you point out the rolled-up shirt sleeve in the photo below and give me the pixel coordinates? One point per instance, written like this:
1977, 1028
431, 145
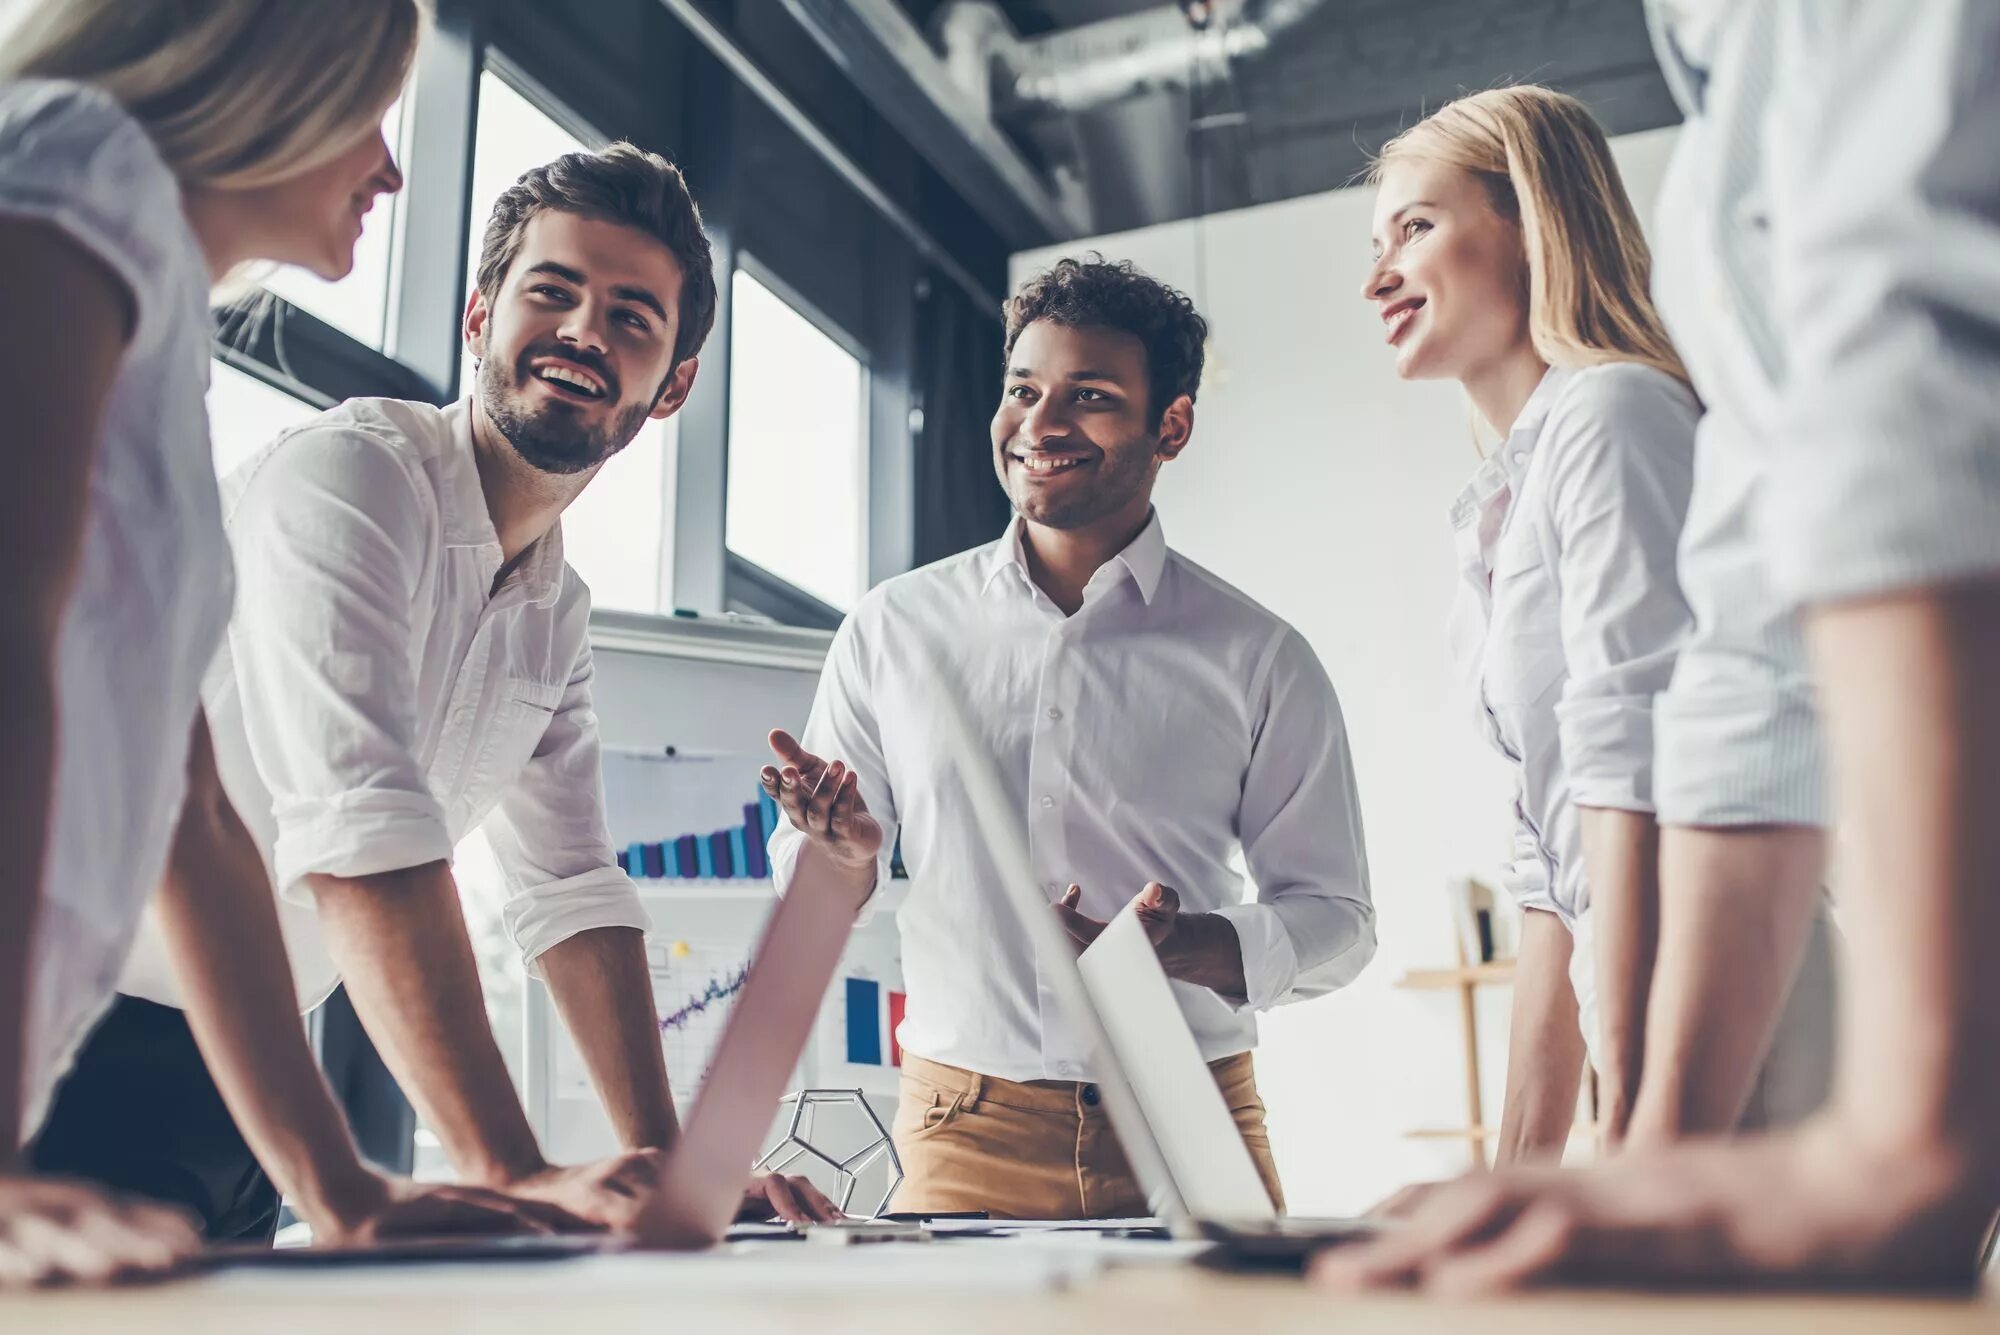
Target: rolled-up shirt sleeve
1311, 928
1621, 469
326, 533
843, 727
551, 838
1526, 877
1885, 231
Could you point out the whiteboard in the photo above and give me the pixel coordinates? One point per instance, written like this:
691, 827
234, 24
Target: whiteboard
710, 691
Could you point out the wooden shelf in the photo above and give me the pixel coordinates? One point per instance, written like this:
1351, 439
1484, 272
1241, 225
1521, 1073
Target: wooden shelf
1449, 1133
1499, 971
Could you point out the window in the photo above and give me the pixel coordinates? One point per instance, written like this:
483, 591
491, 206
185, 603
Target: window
357, 305
619, 533
245, 414
798, 490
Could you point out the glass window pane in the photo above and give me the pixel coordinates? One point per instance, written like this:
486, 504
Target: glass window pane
245, 414
797, 446
357, 305
619, 533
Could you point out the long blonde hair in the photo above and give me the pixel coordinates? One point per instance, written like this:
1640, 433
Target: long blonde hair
235, 94
1544, 162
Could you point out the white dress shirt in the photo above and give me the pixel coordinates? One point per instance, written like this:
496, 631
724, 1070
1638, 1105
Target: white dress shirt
1568, 615
152, 587
1851, 216
378, 700
1166, 727
1829, 265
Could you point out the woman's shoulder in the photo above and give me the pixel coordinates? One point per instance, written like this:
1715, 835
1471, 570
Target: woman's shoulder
55, 128
70, 155
1617, 426
1619, 391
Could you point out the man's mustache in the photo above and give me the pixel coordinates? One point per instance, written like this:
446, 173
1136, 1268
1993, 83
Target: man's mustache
590, 361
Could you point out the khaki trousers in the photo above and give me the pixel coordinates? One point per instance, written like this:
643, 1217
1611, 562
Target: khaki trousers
1037, 1149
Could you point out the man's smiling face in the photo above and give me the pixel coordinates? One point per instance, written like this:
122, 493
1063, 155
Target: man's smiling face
576, 346
1075, 439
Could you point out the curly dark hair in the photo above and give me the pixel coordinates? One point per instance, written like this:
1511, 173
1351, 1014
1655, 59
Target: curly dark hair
1096, 291
623, 184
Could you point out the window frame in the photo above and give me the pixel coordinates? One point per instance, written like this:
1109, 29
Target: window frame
747, 586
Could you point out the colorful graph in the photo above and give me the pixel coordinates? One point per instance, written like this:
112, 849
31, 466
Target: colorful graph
695, 986
873, 1012
714, 992
737, 852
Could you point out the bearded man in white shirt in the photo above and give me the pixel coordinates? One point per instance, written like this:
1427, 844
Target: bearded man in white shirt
1154, 724
410, 660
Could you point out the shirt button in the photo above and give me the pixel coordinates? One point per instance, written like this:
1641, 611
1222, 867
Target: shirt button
1048, 802
1055, 715
1519, 457
1064, 1068
1051, 887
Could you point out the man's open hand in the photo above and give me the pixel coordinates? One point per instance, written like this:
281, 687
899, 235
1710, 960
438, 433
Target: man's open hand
823, 800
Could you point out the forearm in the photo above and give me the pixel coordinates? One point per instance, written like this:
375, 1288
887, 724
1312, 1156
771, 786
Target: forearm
26, 763
1736, 912
604, 992
1621, 852
1545, 1048
221, 929
1913, 724
401, 944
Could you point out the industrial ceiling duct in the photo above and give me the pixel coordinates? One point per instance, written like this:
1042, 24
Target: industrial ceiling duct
1081, 69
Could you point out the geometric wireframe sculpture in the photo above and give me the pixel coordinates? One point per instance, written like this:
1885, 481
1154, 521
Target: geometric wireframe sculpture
797, 1143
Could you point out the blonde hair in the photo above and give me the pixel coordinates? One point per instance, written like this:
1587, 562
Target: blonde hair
235, 94
1545, 164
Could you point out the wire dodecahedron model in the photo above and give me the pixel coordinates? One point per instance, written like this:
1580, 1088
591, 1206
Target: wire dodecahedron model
797, 1143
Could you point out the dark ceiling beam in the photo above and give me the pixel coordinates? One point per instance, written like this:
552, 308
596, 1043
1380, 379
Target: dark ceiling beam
892, 65
740, 63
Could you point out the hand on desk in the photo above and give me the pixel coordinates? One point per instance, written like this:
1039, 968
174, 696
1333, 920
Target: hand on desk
1193, 947
1816, 1204
58, 1232
585, 1197
376, 1207
611, 1193
824, 801
793, 1199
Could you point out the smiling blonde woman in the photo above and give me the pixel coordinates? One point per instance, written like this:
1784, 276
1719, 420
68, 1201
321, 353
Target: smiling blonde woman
1509, 258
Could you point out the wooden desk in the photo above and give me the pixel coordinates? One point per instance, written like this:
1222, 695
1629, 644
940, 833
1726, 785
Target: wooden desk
1145, 1301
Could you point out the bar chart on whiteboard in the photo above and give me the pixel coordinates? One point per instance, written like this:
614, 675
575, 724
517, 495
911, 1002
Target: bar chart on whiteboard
691, 833
676, 816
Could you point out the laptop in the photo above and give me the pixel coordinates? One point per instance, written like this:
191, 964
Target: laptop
1170, 1118
701, 1188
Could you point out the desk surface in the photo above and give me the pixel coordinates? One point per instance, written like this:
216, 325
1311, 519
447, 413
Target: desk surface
1141, 1301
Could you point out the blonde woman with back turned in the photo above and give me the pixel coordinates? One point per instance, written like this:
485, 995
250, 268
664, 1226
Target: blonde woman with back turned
1509, 259
146, 152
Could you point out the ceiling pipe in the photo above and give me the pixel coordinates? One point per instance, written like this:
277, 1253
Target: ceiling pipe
1074, 70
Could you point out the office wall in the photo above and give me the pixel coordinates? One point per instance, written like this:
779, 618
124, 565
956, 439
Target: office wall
1319, 483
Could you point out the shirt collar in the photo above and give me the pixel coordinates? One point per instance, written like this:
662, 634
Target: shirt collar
468, 523
1144, 558
1500, 472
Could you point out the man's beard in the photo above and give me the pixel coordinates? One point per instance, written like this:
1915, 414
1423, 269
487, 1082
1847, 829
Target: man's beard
1122, 475
551, 438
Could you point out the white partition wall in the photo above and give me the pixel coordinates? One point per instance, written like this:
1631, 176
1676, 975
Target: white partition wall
1318, 482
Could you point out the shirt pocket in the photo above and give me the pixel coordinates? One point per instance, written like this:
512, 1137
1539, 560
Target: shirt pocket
1524, 653
520, 719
